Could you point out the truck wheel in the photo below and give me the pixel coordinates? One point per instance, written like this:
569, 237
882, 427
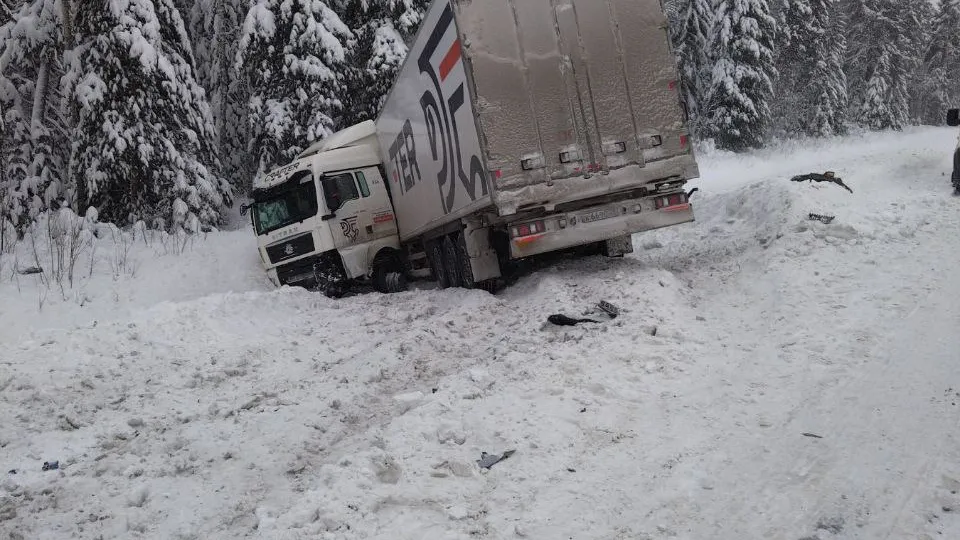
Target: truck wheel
335, 290
388, 277
434, 250
329, 278
491, 286
463, 262
451, 260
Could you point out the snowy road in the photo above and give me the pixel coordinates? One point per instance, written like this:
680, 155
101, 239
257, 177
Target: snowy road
771, 377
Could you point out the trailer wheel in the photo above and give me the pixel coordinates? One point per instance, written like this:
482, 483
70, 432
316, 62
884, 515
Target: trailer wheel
451, 260
463, 262
434, 249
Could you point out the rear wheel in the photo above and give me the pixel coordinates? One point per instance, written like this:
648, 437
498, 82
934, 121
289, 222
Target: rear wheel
463, 261
434, 249
451, 260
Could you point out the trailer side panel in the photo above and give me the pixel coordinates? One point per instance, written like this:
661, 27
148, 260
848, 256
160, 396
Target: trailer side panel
428, 133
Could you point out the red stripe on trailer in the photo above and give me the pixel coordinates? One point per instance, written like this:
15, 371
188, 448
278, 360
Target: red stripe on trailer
450, 60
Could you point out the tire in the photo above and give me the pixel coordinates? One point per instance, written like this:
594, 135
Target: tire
491, 286
388, 276
434, 250
451, 260
395, 282
329, 278
463, 262
335, 290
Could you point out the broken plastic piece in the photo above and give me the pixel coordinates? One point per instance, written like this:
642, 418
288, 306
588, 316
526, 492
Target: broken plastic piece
563, 320
51, 465
826, 220
828, 176
489, 460
610, 309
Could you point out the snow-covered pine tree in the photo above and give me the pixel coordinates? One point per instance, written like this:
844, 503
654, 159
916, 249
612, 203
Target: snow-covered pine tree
828, 115
31, 51
743, 72
381, 28
880, 61
922, 18
292, 56
811, 88
215, 30
142, 145
692, 38
941, 66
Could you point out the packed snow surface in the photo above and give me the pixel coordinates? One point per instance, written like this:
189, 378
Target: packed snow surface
770, 377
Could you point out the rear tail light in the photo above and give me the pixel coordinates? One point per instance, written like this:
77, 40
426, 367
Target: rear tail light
529, 229
677, 199
684, 141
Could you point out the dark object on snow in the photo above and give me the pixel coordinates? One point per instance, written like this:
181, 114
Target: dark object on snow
30, 271
812, 435
610, 309
563, 320
489, 460
12, 471
826, 220
828, 176
51, 465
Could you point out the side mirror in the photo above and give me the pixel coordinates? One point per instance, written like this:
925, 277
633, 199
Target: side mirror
953, 117
244, 208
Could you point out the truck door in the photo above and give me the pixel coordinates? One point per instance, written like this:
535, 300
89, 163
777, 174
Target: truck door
348, 211
382, 222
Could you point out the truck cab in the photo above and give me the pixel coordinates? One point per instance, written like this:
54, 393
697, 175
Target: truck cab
327, 218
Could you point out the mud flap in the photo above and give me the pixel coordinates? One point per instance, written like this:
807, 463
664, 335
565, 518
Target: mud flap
618, 247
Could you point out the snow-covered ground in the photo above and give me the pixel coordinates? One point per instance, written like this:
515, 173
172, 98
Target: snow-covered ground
770, 377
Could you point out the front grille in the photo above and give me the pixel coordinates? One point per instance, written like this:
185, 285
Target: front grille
291, 248
297, 272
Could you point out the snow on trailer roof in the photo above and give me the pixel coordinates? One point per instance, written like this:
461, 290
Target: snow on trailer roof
350, 148
352, 136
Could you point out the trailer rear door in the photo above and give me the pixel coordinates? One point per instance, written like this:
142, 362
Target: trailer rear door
566, 88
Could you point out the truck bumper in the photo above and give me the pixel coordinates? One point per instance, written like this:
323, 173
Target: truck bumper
570, 230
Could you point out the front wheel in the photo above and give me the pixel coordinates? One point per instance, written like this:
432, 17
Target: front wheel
388, 276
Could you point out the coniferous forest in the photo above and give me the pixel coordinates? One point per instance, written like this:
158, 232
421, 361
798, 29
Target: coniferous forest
163, 111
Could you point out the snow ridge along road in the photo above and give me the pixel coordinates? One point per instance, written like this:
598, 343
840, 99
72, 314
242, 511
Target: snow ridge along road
770, 377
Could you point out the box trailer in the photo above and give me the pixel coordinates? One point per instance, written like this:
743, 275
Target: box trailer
514, 128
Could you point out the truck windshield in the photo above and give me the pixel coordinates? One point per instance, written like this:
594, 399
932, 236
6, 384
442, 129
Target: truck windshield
289, 205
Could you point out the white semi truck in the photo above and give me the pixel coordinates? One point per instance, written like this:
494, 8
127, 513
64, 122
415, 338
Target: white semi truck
515, 128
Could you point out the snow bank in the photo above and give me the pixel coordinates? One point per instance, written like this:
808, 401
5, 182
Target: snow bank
117, 273
189, 411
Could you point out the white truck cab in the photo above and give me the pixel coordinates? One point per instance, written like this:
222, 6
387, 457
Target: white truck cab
328, 216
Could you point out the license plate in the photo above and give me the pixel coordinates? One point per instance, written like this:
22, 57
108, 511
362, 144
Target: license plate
599, 215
